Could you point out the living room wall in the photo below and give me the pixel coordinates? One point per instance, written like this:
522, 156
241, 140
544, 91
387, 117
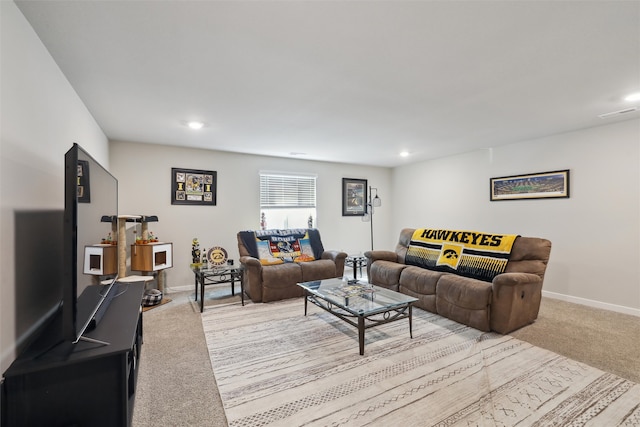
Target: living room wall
144, 175
595, 233
42, 116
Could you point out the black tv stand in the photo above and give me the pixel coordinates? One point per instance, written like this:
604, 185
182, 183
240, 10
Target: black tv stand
86, 383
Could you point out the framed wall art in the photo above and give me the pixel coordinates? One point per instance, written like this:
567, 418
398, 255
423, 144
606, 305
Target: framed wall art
193, 187
354, 197
542, 185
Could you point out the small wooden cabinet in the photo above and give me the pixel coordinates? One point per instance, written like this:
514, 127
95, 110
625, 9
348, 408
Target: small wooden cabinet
100, 260
151, 256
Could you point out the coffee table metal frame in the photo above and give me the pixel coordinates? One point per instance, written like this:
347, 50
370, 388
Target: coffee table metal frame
374, 307
215, 275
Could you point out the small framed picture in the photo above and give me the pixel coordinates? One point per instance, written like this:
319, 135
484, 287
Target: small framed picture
354, 196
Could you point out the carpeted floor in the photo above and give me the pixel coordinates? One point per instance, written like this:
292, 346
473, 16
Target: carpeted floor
177, 387
286, 369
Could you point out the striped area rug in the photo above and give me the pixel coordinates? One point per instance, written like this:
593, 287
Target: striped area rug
276, 367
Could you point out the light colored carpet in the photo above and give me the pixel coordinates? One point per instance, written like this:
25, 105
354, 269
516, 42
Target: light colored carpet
176, 386
275, 367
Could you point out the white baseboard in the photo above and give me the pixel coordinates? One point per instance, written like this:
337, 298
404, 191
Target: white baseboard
171, 289
591, 303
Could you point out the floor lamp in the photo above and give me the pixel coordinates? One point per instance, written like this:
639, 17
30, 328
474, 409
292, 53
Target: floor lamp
368, 213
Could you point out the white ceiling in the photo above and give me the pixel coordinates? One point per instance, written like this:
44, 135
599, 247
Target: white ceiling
344, 81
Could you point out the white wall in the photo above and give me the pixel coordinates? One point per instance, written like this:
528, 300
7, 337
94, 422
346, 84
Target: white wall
41, 118
595, 234
144, 176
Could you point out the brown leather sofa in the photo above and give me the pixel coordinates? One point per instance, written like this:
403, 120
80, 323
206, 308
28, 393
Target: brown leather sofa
510, 301
264, 283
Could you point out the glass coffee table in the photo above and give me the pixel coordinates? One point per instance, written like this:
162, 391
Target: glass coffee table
358, 303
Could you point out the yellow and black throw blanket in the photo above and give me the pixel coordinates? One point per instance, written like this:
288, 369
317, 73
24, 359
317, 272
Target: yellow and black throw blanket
467, 253
280, 246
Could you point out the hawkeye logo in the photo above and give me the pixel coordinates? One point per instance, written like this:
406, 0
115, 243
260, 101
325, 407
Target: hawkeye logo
450, 255
217, 255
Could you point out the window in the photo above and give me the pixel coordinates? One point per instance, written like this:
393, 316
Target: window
287, 201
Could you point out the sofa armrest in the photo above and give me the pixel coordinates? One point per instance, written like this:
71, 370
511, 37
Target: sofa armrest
338, 258
506, 281
250, 262
373, 256
380, 255
252, 277
515, 301
334, 255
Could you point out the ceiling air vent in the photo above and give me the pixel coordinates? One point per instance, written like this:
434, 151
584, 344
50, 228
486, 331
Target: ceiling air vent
619, 112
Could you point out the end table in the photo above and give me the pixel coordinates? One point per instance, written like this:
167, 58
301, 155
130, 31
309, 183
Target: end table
356, 262
215, 275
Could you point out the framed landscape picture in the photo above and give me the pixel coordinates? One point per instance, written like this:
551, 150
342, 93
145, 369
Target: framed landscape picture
542, 185
354, 197
193, 187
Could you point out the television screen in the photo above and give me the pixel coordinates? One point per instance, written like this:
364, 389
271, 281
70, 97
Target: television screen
91, 193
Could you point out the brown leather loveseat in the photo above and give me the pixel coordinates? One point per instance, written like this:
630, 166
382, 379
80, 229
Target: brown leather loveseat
507, 302
274, 261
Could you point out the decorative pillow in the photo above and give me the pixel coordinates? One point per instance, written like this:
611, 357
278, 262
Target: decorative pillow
306, 251
264, 254
286, 248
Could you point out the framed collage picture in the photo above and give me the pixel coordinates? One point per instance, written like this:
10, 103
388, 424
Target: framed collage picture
193, 187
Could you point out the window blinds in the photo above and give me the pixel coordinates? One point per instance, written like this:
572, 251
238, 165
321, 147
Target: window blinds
287, 191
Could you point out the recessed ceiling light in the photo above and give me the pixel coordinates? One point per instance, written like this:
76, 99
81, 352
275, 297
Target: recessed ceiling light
404, 154
195, 125
633, 97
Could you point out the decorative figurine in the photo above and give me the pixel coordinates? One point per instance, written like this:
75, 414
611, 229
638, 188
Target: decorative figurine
195, 251
263, 222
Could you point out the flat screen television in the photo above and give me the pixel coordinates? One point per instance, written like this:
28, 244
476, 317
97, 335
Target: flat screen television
91, 194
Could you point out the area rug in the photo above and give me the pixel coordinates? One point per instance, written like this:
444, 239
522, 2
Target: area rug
276, 367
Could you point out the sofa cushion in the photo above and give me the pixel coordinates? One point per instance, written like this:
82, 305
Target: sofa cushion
464, 300
278, 282
420, 283
318, 270
386, 274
